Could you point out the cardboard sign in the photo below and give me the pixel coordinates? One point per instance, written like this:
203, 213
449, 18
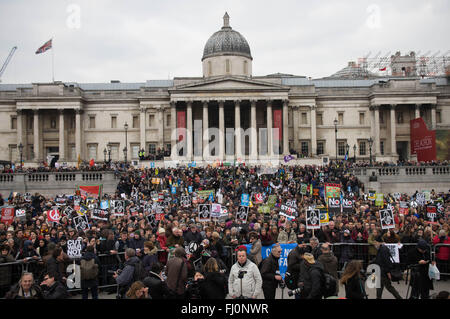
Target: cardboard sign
272, 200
74, 248
288, 211
347, 206
259, 198
242, 213
313, 219
204, 212
99, 214
20, 213
245, 200
379, 199
387, 219
324, 217
81, 223
403, 208
334, 205
215, 210
117, 208
53, 216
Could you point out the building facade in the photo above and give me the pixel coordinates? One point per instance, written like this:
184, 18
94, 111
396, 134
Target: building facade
227, 114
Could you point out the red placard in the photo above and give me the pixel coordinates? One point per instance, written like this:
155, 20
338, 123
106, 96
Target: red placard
53, 216
277, 124
423, 141
7, 215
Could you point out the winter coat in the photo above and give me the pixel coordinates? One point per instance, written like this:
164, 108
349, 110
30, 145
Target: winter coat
444, 251
136, 243
347, 251
157, 288
214, 286
251, 282
6, 271
313, 281
255, 252
189, 236
126, 277
16, 292
283, 237
383, 259
162, 239
149, 259
413, 258
372, 249
330, 263
269, 268
91, 282
176, 278
56, 291
174, 240
354, 288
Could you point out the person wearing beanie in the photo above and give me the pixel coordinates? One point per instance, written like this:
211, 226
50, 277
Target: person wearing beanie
418, 260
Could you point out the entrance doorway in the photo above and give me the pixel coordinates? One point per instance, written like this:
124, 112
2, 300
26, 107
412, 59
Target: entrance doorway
402, 151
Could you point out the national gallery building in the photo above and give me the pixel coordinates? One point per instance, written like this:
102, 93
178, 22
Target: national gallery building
227, 114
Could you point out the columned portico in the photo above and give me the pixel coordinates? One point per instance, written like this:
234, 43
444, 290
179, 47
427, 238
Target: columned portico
269, 129
253, 132
285, 128
313, 131
237, 129
36, 136
62, 137
393, 131
221, 130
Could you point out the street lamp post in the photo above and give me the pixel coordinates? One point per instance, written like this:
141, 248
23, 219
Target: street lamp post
125, 150
21, 153
354, 153
370, 149
335, 136
109, 153
104, 155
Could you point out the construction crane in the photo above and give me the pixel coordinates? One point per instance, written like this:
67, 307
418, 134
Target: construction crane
11, 53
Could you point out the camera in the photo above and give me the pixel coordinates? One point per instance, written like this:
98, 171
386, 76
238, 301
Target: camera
282, 284
241, 274
296, 291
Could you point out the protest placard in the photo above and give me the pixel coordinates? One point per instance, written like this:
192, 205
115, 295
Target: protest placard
74, 248
334, 205
99, 214
387, 219
313, 219
215, 210
347, 206
242, 213
204, 212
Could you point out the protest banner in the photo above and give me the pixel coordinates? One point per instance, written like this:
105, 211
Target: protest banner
20, 213
259, 198
431, 213
334, 205
272, 200
90, 190
324, 217
74, 248
81, 222
347, 206
215, 210
403, 208
245, 199
60, 200
313, 219
99, 214
288, 211
117, 208
371, 195
379, 199
204, 212
420, 199
242, 213
205, 194
53, 216
7, 215
282, 261
303, 189
427, 196
27, 197
332, 190
387, 219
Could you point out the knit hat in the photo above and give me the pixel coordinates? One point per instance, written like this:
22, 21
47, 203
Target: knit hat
422, 244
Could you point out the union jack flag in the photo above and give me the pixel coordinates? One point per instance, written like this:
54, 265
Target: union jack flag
45, 47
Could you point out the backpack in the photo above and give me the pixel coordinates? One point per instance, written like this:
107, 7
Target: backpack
139, 272
89, 269
329, 284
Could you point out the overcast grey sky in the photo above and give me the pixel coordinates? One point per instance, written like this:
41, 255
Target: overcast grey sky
135, 41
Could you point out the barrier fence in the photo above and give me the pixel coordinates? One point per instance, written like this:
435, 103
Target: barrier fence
10, 273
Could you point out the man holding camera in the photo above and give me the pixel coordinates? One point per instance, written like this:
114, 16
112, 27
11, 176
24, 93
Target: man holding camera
270, 273
245, 279
418, 260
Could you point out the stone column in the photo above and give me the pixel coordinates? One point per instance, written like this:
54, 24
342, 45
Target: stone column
377, 129
285, 128
221, 130
142, 129
295, 111
269, 129
36, 137
78, 148
20, 139
237, 129
417, 111
254, 131
313, 131
393, 132
62, 137
205, 122
433, 116
189, 130
174, 133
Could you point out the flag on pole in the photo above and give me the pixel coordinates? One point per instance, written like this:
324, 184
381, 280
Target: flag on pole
47, 46
383, 69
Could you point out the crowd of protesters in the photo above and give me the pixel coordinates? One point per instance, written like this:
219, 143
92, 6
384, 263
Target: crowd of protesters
153, 262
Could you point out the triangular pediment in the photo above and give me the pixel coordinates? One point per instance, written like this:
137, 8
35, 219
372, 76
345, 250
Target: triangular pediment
229, 83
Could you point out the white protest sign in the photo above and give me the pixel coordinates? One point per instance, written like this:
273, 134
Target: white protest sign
387, 219
74, 248
394, 249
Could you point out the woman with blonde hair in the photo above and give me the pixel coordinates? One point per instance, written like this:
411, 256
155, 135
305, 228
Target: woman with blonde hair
353, 282
215, 284
137, 291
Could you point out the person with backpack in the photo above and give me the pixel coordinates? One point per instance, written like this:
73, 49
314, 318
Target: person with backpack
316, 283
294, 263
330, 263
89, 266
176, 272
132, 271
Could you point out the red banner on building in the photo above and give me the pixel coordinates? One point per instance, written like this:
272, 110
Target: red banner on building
277, 124
423, 141
181, 124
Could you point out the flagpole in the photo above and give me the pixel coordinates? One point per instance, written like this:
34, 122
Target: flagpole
53, 63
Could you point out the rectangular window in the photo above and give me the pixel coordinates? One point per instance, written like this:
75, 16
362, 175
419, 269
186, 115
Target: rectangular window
134, 151
135, 121
14, 123
362, 148
381, 117
91, 121
438, 117
13, 153
320, 147
382, 147
399, 117
341, 148
92, 151
361, 119
152, 148
168, 120
305, 148
168, 149
319, 119
113, 121
115, 152
151, 119
304, 119
341, 118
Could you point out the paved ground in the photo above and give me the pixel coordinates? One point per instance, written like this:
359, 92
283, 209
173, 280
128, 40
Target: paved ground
401, 288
